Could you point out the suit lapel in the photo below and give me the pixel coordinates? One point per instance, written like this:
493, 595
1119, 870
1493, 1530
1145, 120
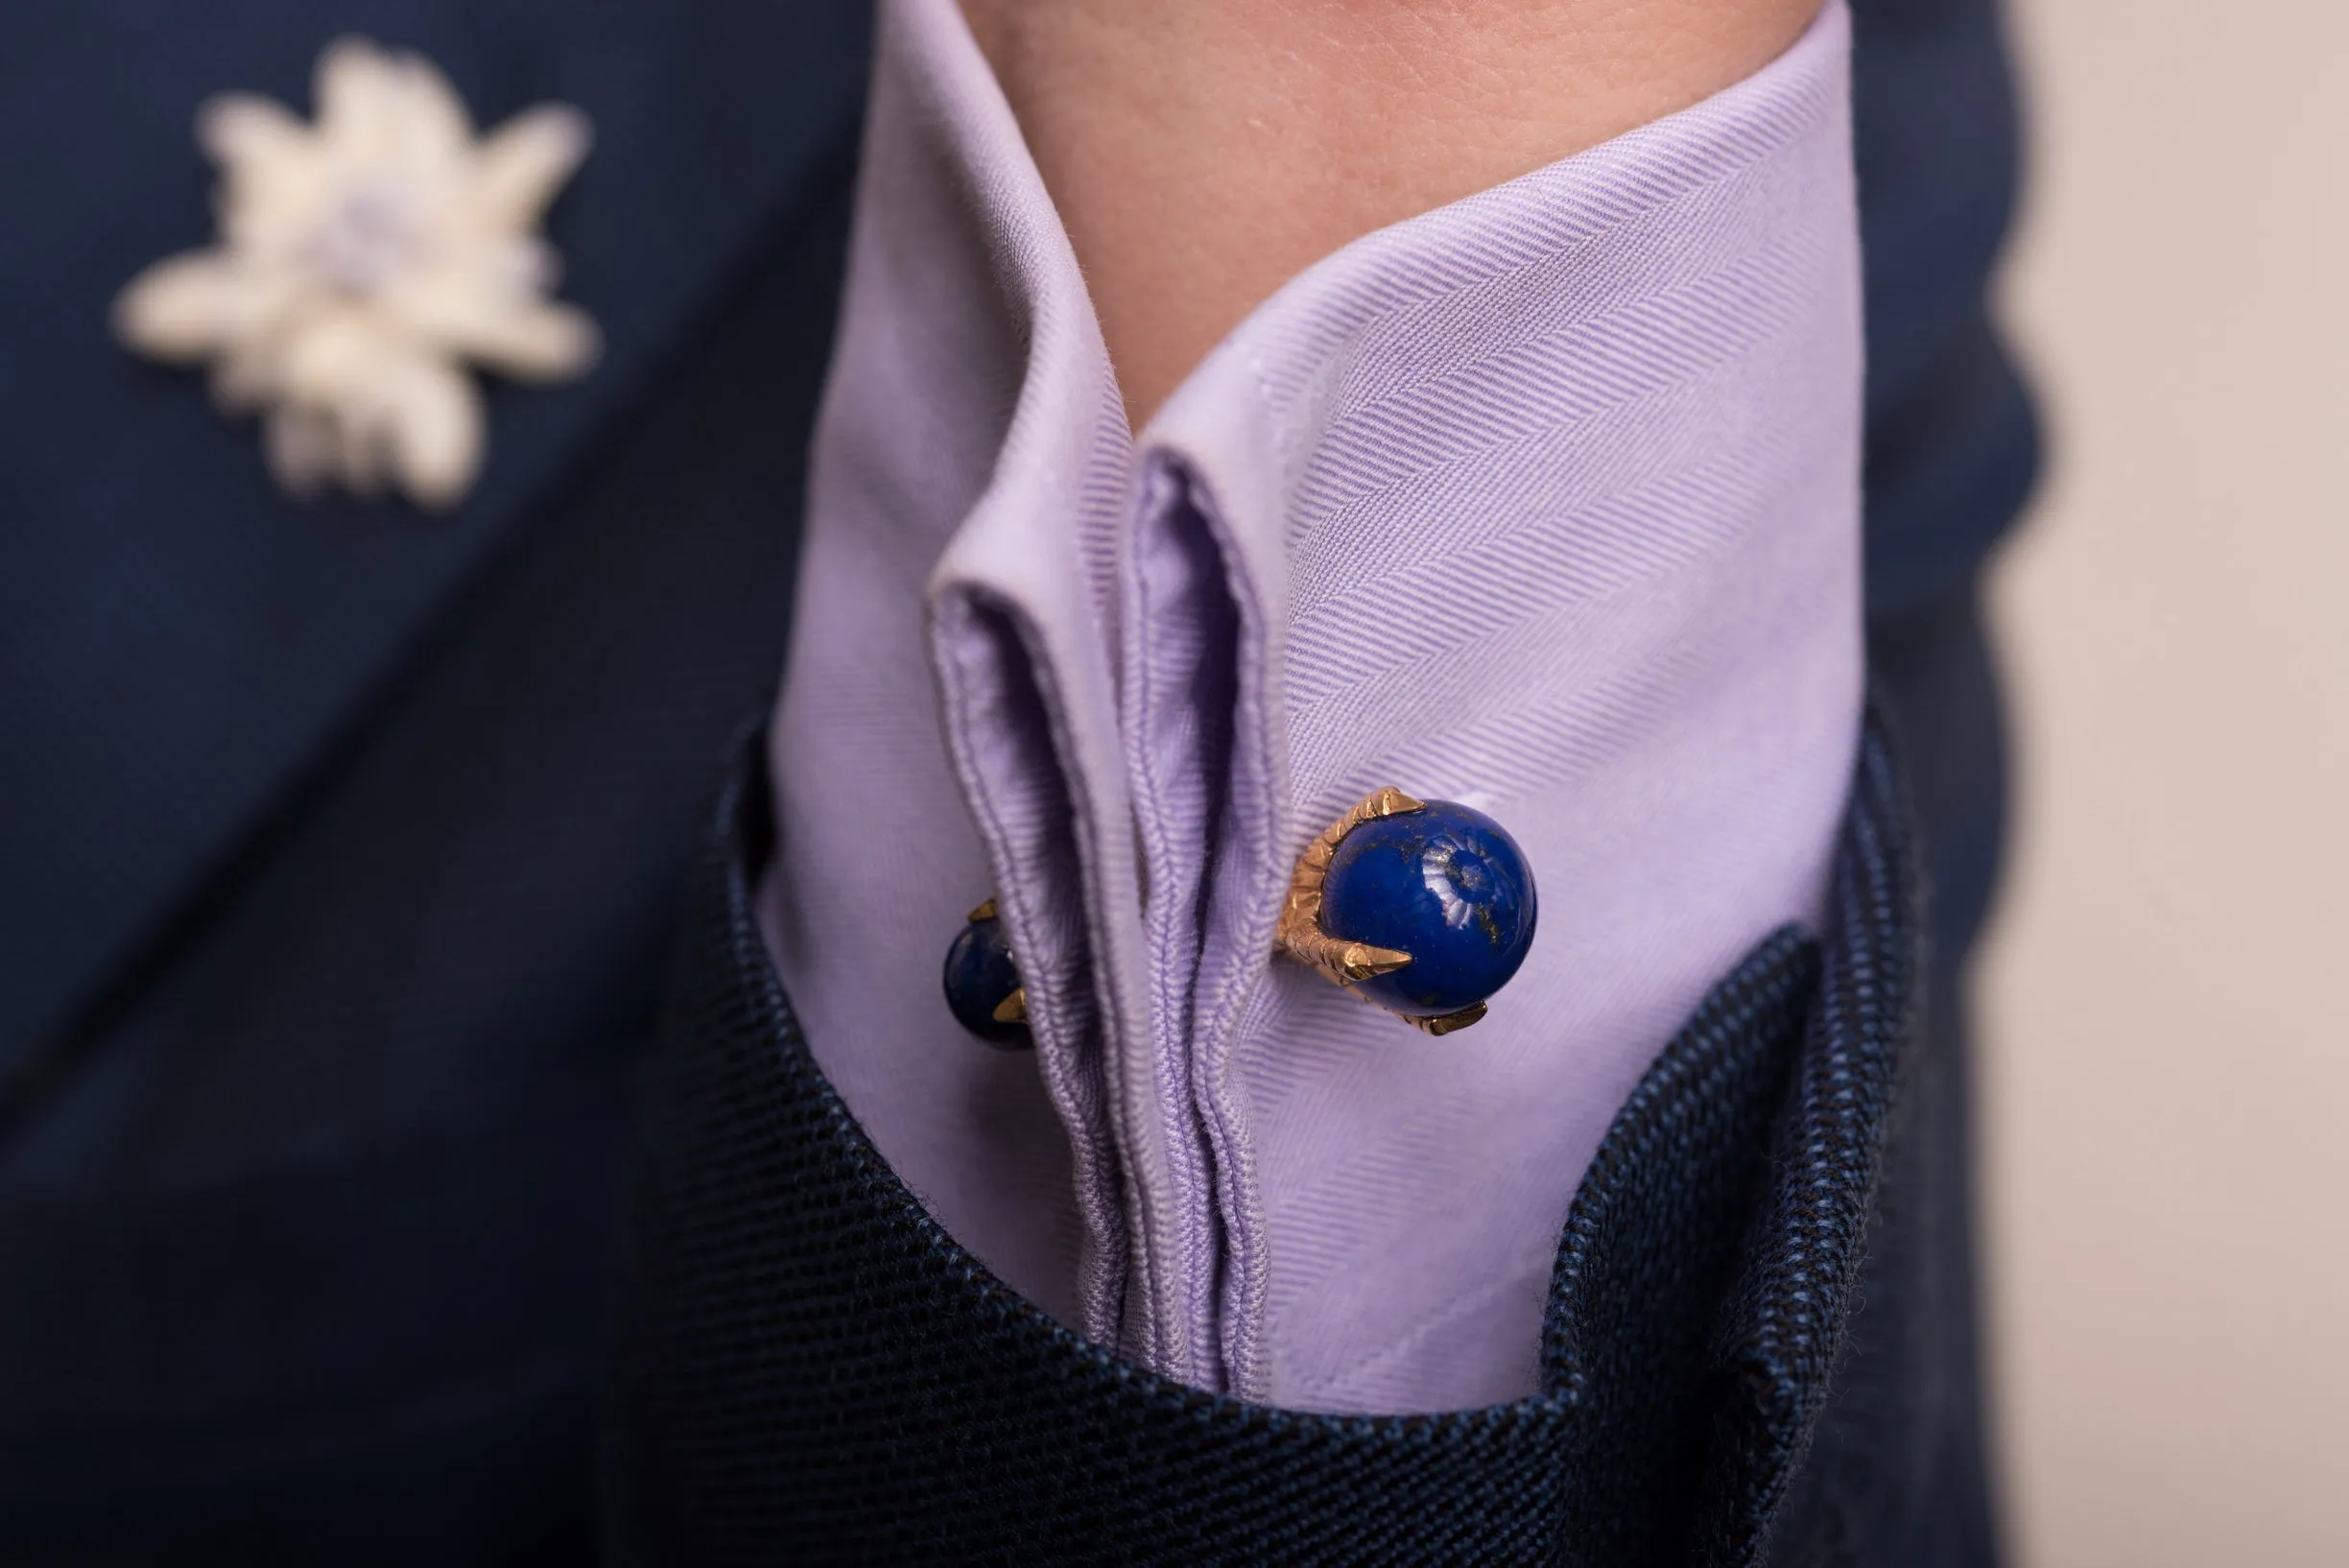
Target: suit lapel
178, 641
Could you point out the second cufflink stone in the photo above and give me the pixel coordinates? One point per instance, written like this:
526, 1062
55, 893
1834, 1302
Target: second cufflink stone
980, 978
1446, 885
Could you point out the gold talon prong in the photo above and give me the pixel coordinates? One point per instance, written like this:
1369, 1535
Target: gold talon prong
1448, 1023
1363, 961
984, 912
1012, 1009
1299, 933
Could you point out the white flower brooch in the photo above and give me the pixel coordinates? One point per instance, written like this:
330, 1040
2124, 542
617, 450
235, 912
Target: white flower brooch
363, 263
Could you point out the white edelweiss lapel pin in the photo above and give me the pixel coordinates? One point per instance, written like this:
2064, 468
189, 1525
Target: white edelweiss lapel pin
364, 263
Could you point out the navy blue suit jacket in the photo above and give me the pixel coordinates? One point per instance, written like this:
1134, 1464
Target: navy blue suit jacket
345, 852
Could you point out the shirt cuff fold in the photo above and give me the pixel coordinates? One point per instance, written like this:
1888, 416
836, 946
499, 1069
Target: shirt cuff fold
1546, 502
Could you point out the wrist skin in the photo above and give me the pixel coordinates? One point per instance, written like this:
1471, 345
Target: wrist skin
1201, 153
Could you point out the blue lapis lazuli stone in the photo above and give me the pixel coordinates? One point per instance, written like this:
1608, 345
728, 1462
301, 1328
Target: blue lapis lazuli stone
1446, 885
980, 975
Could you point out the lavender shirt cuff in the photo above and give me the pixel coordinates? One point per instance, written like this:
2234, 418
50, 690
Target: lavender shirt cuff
1547, 501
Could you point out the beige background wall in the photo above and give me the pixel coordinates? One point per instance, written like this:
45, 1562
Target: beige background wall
2165, 998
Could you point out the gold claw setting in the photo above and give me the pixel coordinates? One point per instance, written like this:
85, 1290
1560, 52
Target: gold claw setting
1298, 934
1012, 1009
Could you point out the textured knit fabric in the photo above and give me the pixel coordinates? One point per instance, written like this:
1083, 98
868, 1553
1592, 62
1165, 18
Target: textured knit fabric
1547, 501
820, 1374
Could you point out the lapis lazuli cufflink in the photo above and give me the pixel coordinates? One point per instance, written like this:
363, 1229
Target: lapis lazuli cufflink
1424, 907
982, 984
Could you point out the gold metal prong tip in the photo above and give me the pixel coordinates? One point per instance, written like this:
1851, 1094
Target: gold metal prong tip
984, 912
1299, 931
1361, 962
1449, 1023
1012, 1009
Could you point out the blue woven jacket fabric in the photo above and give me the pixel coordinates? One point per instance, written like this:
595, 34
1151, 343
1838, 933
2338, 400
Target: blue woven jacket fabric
812, 1371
